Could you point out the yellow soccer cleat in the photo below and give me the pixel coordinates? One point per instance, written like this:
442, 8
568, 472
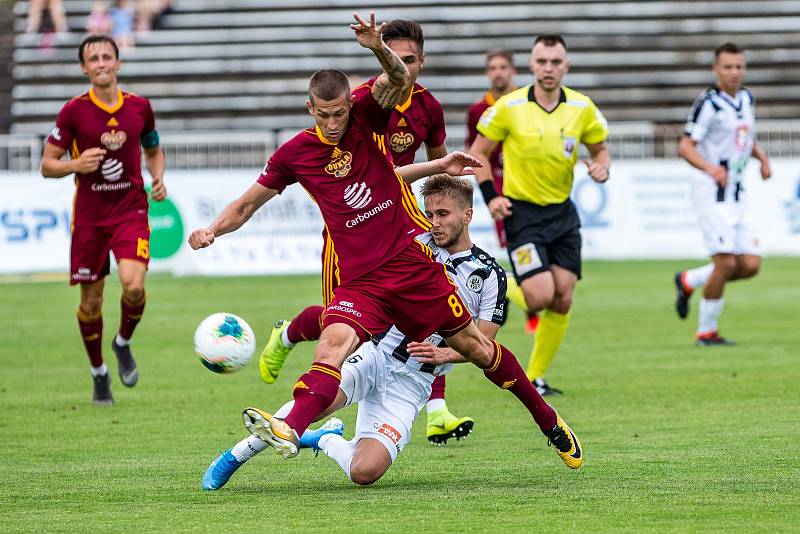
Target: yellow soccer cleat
274, 354
567, 444
274, 431
442, 425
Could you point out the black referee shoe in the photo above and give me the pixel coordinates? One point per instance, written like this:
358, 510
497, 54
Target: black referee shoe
544, 388
126, 364
102, 390
681, 297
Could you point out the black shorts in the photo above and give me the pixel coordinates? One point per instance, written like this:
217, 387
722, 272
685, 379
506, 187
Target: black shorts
540, 236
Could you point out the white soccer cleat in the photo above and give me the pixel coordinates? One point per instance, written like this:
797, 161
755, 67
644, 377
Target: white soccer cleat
275, 432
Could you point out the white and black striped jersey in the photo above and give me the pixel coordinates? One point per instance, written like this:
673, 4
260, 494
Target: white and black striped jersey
481, 285
724, 129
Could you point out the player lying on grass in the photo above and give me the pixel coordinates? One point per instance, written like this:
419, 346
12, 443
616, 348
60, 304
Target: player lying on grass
389, 386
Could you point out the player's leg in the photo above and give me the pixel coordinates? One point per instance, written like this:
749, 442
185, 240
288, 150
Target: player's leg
747, 266
552, 328
131, 277
713, 302
306, 326
355, 312
443, 425
89, 265
685, 284
501, 367
90, 324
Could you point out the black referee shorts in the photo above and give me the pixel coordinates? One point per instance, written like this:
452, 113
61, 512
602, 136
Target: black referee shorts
541, 236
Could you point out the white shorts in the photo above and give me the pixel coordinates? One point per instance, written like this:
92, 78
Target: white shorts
389, 394
727, 225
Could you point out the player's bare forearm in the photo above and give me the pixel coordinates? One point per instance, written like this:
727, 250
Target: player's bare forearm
600, 154
436, 152
687, 149
238, 212
154, 162
390, 86
482, 149
760, 154
52, 165
454, 164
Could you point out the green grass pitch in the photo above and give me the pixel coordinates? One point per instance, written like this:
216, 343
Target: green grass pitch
677, 438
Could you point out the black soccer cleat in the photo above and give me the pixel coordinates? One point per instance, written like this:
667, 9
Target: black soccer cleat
128, 373
544, 388
681, 297
712, 339
102, 390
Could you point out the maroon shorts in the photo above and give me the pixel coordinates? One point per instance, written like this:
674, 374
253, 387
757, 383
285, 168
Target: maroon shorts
89, 259
411, 291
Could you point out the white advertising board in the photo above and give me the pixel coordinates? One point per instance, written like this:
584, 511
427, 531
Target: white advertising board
644, 211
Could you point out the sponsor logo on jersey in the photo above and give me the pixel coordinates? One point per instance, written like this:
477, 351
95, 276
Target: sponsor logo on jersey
114, 140
389, 431
361, 217
400, 141
402, 122
111, 169
112, 122
341, 163
357, 195
742, 136
346, 307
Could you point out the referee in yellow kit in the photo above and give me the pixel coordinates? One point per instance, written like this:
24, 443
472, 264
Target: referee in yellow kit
540, 127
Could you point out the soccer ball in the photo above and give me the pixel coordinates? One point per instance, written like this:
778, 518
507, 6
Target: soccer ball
224, 342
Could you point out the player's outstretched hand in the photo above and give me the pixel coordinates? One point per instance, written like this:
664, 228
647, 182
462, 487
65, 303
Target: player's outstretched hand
368, 35
201, 238
89, 160
159, 191
499, 208
597, 171
719, 174
458, 164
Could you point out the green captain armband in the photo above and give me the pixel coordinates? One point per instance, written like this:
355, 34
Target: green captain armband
150, 139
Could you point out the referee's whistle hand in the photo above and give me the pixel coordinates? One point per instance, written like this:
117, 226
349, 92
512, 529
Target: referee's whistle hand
201, 238
500, 208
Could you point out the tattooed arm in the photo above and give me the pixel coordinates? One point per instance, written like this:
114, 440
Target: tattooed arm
390, 86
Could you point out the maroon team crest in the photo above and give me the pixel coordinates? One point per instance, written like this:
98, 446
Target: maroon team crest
341, 163
114, 140
401, 141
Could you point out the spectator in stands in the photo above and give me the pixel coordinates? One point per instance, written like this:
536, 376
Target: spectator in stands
99, 21
122, 24
149, 13
56, 10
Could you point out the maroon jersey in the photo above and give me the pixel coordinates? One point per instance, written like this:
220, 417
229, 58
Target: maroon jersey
473, 116
115, 191
420, 119
370, 213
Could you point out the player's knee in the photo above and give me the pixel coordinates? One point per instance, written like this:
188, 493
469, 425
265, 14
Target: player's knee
133, 292
562, 303
364, 475
92, 305
749, 268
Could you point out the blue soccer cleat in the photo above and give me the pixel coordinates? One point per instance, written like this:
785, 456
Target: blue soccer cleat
220, 471
310, 438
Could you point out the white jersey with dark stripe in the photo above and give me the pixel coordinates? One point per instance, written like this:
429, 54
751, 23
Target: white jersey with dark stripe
482, 287
724, 129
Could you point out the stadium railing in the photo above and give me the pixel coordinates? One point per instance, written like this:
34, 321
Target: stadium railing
250, 149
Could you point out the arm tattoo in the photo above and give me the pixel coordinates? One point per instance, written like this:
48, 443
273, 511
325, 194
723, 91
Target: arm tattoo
389, 87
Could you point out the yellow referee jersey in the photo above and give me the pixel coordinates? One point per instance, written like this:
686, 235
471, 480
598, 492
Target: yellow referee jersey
540, 148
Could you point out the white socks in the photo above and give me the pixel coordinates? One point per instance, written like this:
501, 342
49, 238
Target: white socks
339, 450
710, 310
99, 371
435, 404
285, 339
247, 448
698, 276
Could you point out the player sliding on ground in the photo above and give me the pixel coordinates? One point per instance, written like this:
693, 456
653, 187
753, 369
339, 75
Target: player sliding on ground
388, 384
387, 276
